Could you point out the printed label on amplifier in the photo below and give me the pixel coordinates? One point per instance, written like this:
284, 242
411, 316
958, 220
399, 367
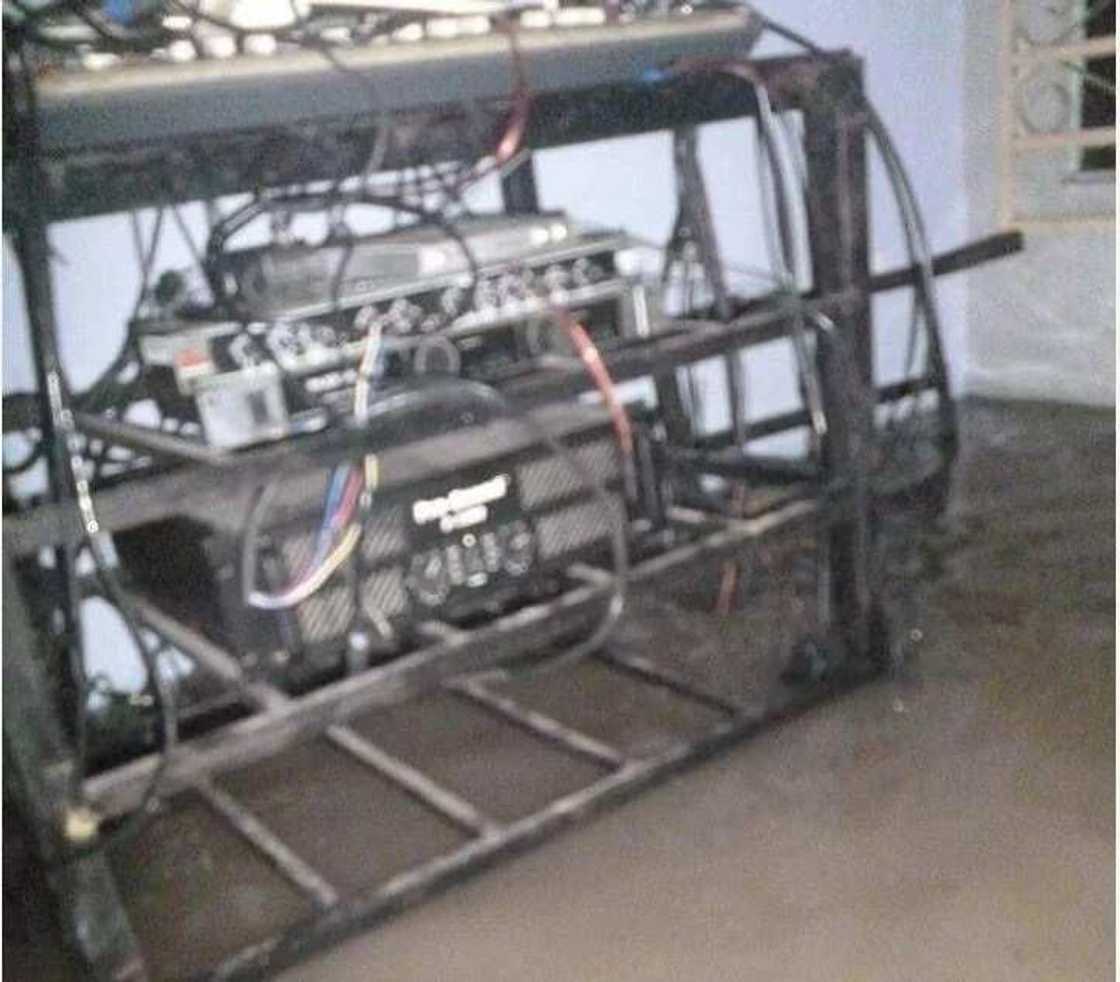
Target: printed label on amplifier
466, 536
462, 507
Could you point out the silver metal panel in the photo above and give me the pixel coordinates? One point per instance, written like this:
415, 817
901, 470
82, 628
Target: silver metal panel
155, 101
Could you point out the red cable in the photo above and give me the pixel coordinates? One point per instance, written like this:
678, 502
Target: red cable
513, 136
593, 361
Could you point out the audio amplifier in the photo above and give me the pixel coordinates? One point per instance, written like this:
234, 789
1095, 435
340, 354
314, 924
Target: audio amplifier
252, 381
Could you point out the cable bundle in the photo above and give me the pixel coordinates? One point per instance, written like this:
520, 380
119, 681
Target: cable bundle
349, 497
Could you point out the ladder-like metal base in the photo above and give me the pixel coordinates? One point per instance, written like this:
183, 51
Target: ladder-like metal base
455, 782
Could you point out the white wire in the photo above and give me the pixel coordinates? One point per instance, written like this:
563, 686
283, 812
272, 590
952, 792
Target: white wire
315, 581
307, 587
365, 371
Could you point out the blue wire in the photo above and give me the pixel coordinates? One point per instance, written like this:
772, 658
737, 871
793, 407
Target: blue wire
334, 494
337, 486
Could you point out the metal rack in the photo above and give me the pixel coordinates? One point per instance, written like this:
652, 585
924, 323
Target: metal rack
158, 134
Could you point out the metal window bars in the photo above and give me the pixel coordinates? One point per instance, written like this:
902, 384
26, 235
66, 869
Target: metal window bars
1047, 58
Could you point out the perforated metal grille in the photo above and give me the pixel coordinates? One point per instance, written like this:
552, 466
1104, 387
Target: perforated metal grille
383, 592
296, 548
574, 528
326, 615
551, 478
384, 534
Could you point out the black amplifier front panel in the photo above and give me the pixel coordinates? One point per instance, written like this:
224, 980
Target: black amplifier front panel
443, 548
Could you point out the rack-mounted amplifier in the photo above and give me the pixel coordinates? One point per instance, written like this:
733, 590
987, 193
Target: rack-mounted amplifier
288, 362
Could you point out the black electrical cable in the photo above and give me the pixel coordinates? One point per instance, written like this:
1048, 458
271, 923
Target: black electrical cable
318, 201
784, 251
185, 232
165, 700
913, 225
923, 301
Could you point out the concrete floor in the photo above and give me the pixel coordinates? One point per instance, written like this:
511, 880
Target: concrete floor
953, 823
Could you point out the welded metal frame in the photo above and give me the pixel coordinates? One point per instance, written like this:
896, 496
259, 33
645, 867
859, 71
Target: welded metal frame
610, 104
492, 842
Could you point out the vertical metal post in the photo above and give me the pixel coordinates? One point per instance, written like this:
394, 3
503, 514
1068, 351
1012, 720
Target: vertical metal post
694, 224
670, 401
33, 251
694, 221
46, 773
40, 773
519, 189
839, 239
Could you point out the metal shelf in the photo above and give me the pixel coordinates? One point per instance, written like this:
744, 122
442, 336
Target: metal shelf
197, 488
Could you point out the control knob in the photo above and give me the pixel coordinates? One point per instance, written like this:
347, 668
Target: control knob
436, 356
474, 561
511, 289
451, 300
365, 317
286, 345
517, 548
555, 278
585, 272
402, 316
428, 578
245, 352
485, 295
324, 335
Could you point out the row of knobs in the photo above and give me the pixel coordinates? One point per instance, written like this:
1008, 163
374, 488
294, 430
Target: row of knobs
292, 343
310, 344
213, 42
470, 562
491, 294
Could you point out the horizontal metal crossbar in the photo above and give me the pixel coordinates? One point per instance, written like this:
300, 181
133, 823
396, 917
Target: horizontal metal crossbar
379, 902
250, 739
200, 489
298, 871
413, 781
223, 666
540, 725
649, 671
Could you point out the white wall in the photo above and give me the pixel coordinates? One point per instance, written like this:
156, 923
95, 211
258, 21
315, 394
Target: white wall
1042, 324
